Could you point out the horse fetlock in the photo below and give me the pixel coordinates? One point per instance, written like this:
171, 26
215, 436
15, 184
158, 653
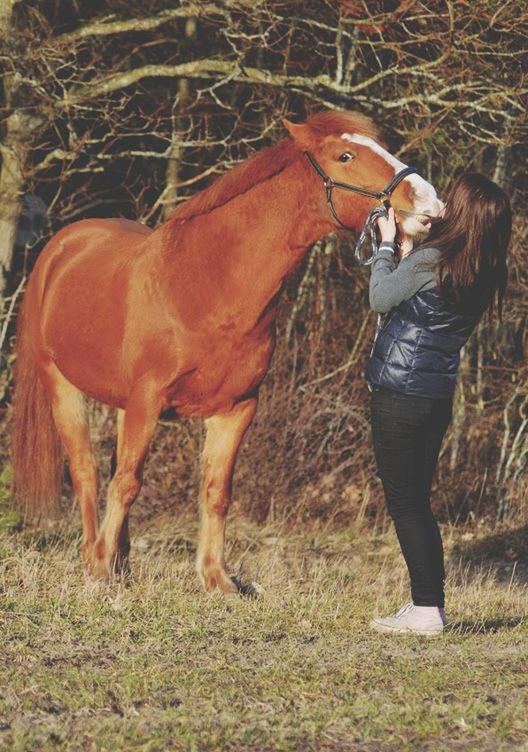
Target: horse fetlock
103, 563
214, 576
87, 551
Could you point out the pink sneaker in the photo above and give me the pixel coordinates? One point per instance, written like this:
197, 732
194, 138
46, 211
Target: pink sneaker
424, 620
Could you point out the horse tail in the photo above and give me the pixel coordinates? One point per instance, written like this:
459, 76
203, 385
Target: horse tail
36, 449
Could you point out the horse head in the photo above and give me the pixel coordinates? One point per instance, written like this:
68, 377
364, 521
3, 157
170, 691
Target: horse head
346, 147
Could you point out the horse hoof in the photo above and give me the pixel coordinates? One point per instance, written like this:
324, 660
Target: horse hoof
96, 567
218, 580
98, 570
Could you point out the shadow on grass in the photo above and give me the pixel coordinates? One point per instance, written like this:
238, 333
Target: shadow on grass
505, 552
484, 626
246, 589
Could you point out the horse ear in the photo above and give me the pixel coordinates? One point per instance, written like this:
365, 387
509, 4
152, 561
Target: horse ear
299, 132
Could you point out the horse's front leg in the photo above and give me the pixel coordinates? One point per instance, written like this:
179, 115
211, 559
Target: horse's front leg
224, 434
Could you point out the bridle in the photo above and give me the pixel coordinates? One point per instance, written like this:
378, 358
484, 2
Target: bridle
382, 196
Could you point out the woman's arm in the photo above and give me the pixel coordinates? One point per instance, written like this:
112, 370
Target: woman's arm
390, 284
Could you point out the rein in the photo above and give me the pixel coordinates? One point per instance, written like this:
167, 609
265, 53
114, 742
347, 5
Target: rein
369, 227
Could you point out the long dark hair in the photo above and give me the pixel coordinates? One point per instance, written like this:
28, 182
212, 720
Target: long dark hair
473, 236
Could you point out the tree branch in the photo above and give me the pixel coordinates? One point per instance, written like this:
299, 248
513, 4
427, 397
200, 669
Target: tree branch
219, 68
104, 28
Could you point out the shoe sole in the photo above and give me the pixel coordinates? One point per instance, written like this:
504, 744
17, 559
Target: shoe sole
406, 630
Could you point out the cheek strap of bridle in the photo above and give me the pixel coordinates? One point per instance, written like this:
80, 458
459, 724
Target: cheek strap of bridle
382, 210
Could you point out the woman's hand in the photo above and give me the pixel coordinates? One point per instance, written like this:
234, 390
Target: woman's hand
387, 227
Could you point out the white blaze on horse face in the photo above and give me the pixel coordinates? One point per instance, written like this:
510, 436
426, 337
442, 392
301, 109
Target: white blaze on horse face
425, 200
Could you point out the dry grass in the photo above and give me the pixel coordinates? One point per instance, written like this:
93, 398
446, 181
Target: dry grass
159, 665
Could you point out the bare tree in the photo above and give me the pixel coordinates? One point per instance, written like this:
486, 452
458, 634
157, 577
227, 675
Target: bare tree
413, 68
131, 111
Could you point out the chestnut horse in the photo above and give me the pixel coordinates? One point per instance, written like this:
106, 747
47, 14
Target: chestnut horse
182, 316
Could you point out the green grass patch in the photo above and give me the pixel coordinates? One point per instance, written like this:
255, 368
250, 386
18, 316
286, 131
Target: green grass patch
159, 665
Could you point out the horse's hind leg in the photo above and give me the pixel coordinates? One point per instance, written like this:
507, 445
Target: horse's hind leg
111, 548
224, 434
71, 420
124, 538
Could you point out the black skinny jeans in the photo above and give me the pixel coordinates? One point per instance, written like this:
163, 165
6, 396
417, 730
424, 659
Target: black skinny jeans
407, 432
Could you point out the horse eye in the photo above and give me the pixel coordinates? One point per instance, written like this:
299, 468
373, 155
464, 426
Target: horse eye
346, 156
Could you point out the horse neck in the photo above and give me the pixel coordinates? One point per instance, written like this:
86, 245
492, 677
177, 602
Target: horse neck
241, 253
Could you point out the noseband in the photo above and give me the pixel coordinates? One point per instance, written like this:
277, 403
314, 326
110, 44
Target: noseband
379, 211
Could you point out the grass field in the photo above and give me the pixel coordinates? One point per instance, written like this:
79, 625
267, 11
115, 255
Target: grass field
159, 665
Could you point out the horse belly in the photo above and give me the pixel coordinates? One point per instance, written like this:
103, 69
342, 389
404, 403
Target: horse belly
221, 379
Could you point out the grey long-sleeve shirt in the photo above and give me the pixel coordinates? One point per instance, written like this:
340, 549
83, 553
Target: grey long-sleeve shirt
391, 283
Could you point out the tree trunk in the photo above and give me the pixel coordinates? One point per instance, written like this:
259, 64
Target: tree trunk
13, 153
173, 164
6, 11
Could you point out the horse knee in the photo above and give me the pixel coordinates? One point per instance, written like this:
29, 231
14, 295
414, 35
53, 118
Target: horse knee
220, 507
125, 487
215, 495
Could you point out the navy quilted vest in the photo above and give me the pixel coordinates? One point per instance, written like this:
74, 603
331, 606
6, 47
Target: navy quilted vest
417, 350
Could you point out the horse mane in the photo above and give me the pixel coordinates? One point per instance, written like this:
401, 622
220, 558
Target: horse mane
267, 163
336, 122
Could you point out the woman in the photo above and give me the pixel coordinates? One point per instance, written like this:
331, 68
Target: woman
433, 300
